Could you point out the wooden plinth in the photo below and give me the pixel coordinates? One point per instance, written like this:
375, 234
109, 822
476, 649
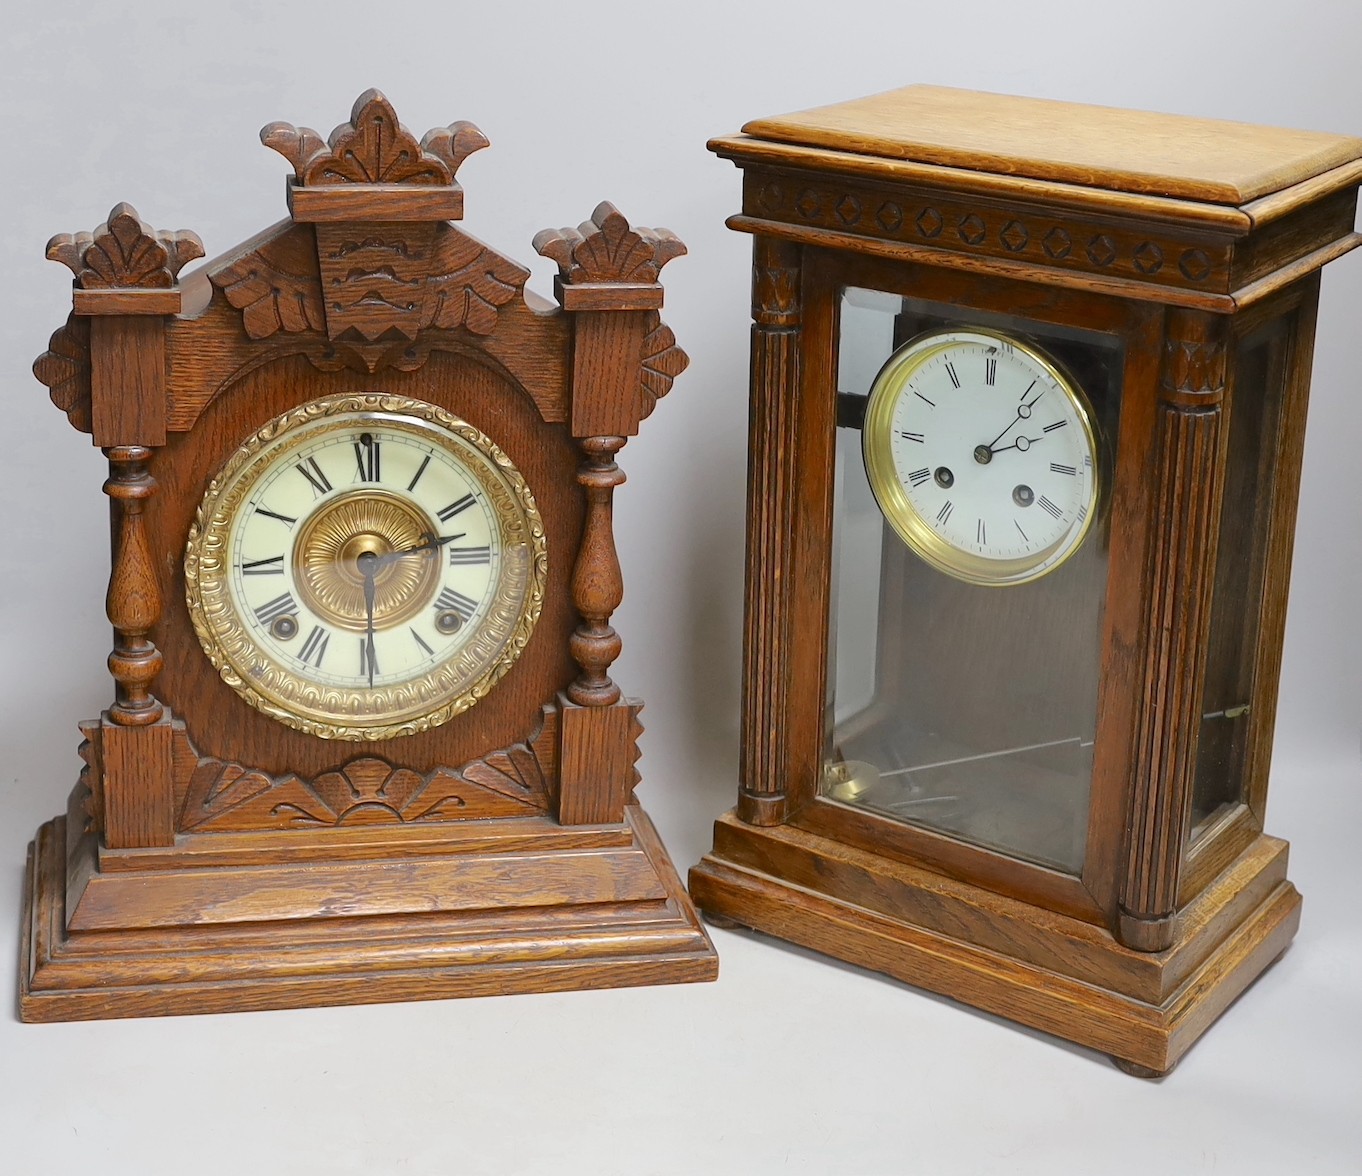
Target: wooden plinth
1048, 971
231, 922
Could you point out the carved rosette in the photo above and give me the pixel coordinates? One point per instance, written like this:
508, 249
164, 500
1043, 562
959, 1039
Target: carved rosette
1189, 475
515, 782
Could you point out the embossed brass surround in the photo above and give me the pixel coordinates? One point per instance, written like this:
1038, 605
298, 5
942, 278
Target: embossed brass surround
487, 651
325, 559
893, 500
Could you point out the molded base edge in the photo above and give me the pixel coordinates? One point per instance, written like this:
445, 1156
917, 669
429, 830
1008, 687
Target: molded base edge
1045, 971
646, 932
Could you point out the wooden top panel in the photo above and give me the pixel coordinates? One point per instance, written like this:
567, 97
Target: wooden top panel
1094, 146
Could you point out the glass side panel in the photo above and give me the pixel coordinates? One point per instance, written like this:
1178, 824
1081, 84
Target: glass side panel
1239, 577
967, 709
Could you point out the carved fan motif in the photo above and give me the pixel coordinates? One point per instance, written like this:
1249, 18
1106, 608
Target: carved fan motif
374, 148
515, 782
663, 361
469, 283
606, 249
65, 368
125, 253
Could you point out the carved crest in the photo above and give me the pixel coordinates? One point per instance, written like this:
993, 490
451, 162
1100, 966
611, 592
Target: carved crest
516, 782
65, 368
606, 249
374, 148
125, 253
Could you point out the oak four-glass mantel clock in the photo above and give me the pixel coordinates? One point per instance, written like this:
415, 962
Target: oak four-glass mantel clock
364, 744
1028, 397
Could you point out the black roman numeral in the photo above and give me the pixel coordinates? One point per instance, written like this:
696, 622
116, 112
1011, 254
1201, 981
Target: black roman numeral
457, 507
367, 458
1049, 507
280, 606
313, 473
470, 555
456, 602
1056, 468
421, 469
929, 403
368, 665
917, 477
1056, 425
1020, 531
272, 515
981, 533
417, 636
314, 648
990, 370
910, 436
274, 566
945, 512
950, 371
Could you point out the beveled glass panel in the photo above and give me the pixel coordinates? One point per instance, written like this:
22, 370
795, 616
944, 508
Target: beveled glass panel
1223, 741
966, 709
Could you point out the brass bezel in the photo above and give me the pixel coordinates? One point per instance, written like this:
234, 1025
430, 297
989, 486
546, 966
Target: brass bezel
898, 508
403, 708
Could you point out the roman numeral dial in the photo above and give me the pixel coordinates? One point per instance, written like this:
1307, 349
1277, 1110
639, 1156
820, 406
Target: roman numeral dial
982, 455
382, 558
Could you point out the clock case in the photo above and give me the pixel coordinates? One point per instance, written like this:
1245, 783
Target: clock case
1195, 248
212, 859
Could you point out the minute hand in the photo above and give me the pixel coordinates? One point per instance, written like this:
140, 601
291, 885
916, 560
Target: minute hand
430, 543
1023, 411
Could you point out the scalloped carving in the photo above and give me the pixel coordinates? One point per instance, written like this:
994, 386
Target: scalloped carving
663, 361
125, 253
277, 287
374, 148
469, 283
460, 283
606, 249
65, 368
515, 782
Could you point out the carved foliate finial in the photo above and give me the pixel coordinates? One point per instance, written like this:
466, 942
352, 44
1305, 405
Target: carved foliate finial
125, 253
374, 148
606, 249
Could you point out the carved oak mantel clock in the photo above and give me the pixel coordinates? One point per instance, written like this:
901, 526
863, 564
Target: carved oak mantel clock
364, 745
1028, 399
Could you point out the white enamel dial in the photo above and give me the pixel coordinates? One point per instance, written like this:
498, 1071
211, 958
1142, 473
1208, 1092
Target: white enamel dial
365, 566
981, 454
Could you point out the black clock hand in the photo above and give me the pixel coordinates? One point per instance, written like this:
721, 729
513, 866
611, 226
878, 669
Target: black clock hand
1023, 411
1022, 443
430, 543
368, 565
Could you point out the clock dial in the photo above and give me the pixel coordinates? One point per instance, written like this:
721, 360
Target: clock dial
365, 566
982, 456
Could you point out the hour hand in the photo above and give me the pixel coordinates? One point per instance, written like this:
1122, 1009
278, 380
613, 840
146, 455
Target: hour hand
428, 543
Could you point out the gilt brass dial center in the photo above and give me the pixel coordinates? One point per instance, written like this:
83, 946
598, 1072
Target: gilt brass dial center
326, 559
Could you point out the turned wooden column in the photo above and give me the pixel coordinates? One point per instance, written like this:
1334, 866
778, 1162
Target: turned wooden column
133, 603
597, 583
1188, 476
769, 602
125, 288
623, 359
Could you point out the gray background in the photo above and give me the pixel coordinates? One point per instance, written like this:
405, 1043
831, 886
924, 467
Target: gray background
789, 1063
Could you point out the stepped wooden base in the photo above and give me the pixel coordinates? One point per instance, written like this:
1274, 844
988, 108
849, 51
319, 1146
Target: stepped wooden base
1050, 972
226, 922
